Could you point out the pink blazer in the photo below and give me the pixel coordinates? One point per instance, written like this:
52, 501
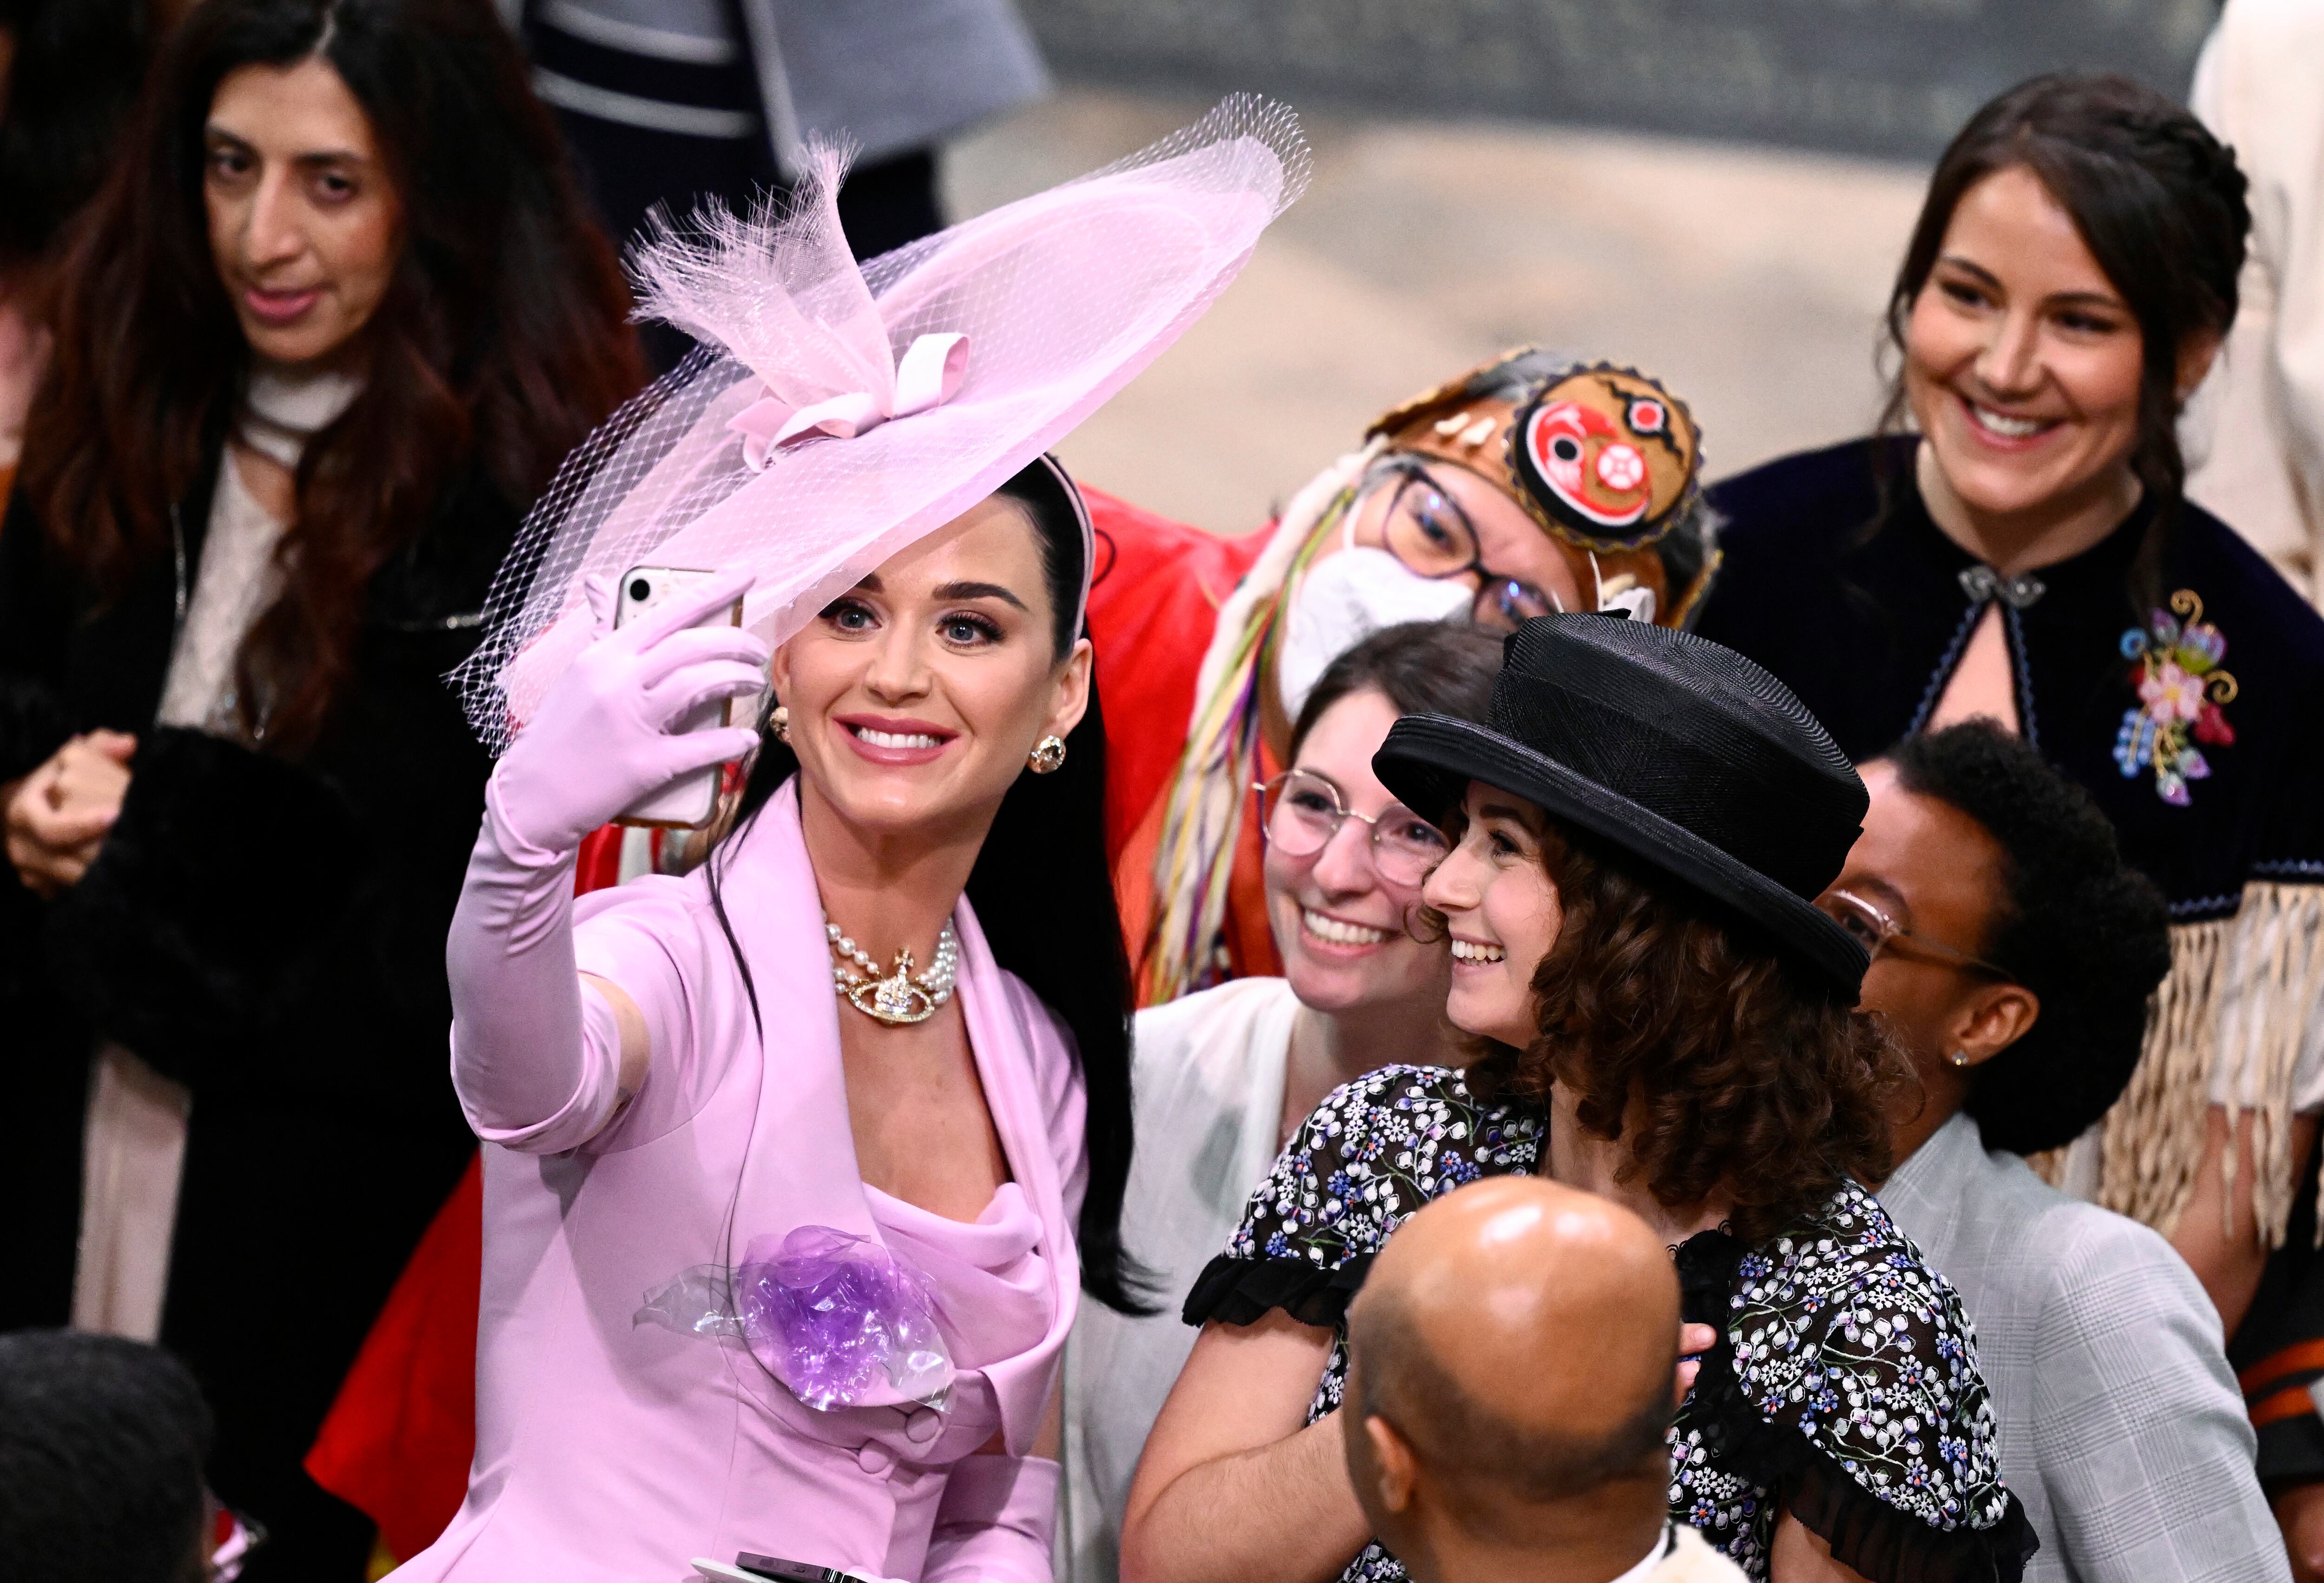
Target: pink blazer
610, 1450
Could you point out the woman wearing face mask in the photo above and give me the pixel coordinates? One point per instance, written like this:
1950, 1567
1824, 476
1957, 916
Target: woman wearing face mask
329, 326
1223, 1077
2029, 557
1527, 485
1667, 1019
794, 1168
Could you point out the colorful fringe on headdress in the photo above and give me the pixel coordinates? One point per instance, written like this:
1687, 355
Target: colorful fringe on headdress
1202, 820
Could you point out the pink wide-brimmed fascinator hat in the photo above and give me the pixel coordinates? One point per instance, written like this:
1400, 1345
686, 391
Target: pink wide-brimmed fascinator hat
833, 414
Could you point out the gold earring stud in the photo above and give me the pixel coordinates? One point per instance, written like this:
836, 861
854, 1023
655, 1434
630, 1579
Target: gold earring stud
1047, 757
1960, 1058
782, 722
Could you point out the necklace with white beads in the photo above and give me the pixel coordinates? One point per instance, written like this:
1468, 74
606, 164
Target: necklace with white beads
900, 997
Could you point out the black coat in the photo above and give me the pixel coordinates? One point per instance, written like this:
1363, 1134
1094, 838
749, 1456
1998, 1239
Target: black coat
270, 933
1867, 626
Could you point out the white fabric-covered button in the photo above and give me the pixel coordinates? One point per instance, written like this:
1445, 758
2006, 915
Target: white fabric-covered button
874, 1458
921, 1427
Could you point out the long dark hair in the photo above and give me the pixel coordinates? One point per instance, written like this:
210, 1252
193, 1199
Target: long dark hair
67, 90
501, 341
1043, 893
2160, 204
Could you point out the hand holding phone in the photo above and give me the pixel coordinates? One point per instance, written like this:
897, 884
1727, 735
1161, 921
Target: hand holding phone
690, 802
600, 740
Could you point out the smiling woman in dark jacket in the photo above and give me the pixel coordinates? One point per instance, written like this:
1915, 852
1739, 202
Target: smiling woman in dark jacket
330, 328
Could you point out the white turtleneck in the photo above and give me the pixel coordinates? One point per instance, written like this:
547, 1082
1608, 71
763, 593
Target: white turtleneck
239, 576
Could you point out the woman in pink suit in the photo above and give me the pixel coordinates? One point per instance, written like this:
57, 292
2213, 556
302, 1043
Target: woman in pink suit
795, 1166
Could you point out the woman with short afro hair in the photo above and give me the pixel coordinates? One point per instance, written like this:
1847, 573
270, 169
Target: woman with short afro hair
2014, 952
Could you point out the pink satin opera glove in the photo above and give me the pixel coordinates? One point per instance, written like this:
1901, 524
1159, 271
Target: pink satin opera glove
536, 1062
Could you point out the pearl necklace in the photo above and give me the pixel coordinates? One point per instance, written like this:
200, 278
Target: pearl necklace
900, 998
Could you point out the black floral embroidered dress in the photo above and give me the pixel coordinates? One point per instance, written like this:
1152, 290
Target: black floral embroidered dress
1843, 1385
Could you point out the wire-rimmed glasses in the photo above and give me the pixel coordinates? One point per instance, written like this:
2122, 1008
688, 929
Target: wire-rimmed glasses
1873, 925
1300, 812
1426, 530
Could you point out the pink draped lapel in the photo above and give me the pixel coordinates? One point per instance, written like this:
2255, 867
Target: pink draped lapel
1015, 1041
800, 1169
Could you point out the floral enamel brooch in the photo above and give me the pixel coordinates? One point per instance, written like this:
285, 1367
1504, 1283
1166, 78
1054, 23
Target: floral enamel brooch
2180, 691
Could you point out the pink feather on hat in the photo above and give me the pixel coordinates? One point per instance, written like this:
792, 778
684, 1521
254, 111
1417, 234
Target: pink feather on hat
832, 415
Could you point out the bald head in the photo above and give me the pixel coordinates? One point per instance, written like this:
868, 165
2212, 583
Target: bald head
1517, 1339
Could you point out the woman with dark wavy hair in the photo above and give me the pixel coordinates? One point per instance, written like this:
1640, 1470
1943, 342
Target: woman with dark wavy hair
1664, 1017
2026, 553
328, 327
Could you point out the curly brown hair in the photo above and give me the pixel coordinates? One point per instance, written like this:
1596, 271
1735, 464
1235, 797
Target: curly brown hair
1688, 1035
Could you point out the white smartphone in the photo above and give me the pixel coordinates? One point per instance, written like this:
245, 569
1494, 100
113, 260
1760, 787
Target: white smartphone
690, 802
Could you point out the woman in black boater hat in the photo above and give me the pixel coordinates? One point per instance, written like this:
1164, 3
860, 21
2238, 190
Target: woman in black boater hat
1664, 1017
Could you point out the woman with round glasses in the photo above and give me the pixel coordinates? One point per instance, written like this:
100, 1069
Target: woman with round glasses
2013, 949
1223, 1077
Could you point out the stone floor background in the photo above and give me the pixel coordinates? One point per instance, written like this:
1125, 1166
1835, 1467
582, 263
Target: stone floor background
1750, 280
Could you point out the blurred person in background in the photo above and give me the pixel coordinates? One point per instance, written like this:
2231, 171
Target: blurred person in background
102, 1441
2012, 954
1225, 1076
1509, 1363
2029, 555
669, 102
2255, 432
69, 72
333, 320
1530, 484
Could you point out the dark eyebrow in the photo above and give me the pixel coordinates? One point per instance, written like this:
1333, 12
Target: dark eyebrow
869, 582
212, 131
1883, 890
1509, 811
979, 591
2088, 298
1973, 267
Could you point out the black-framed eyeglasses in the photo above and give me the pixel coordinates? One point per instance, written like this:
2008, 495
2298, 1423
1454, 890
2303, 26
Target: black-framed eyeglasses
1426, 530
1871, 924
1300, 811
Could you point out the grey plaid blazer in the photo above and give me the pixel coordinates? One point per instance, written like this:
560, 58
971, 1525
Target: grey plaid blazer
2121, 1426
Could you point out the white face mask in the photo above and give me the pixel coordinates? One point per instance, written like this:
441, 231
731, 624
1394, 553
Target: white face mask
1344, 600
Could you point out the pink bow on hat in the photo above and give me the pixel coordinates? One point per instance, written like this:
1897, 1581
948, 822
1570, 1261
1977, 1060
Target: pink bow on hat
929, 375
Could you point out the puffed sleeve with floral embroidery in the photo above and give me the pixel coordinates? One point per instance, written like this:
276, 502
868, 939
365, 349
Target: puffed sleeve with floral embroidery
1372, 1152
1844, 1390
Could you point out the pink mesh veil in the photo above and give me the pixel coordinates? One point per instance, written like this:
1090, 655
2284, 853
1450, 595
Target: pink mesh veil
833, 415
